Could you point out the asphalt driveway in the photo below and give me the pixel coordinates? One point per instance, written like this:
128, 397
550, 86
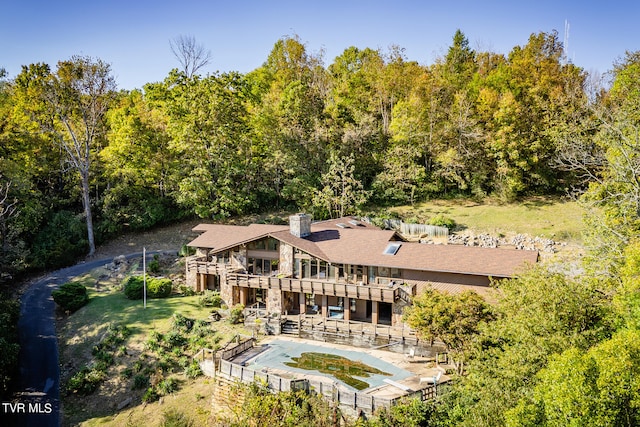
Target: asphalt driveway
37, 400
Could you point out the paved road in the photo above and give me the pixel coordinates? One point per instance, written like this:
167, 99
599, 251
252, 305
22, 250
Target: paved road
37, 401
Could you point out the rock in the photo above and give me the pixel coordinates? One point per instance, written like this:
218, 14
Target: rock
124, 403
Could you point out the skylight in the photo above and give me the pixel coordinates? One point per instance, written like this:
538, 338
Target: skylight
392, 248
354, 222
342, 225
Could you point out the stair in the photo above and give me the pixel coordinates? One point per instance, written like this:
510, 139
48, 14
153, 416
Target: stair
290, 328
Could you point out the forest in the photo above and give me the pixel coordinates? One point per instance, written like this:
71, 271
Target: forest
81, 162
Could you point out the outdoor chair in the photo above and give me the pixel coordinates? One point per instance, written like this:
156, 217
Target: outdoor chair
411, 354
432, 380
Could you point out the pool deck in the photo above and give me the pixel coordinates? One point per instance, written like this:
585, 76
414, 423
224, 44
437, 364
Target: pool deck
420, 367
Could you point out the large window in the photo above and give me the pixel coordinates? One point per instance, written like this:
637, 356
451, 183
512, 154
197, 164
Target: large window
311, 268
262, 267
223, 258
268, 244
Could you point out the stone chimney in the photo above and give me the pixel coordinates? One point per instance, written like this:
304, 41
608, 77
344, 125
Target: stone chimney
300, 225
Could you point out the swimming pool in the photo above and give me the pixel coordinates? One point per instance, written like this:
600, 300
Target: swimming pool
280, 353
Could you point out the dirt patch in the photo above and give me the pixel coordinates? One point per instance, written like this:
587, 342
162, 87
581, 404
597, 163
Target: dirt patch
169, 238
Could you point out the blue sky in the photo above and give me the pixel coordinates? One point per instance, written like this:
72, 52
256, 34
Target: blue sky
133, 36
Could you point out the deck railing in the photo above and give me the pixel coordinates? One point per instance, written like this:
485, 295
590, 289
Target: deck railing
379, 293
327, 389
201, 266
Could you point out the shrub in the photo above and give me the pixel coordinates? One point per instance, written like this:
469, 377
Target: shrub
443, 221
210, 299
154, 266
156, 287
151, 395
193, 370
71, 296
181, 323
237, 314
159, 287
175, 339
140, 381
174, 418
85, 381
134, 287
167, 386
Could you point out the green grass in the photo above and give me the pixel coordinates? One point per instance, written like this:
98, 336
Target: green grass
544, 217
82, 330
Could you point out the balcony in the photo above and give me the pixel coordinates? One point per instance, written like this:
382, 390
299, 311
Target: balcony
386, 293
201, 266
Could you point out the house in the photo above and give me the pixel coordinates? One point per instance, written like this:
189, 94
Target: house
344, 269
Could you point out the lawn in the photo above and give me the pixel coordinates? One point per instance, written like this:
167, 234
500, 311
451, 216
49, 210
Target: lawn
553, 218
79, 332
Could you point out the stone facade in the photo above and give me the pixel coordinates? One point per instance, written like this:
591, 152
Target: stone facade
274, 301
226, 291
239, 258
300, 225
286, 259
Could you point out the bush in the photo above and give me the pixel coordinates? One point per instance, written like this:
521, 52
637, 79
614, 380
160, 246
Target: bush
71, 296
134, 287
159, 287
174, 418
193, 370
210, 299
443, 221
167, 386
140, 381
154, 266
156, 287
85, 381
151, 395
237, 314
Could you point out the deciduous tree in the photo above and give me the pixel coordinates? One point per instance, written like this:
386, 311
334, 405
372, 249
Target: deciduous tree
70, 104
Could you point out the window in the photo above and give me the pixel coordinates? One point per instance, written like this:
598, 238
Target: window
261, 266
223, 258
269, 244
272, 244
392, 248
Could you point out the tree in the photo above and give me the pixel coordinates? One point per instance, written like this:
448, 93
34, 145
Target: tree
453, 319
598, 388
192, 56
612, 199
138, 164
207, 123
70, 105
8, 208
341, 193
538, 314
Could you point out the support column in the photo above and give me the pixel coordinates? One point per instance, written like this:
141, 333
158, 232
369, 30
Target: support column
303, 303
347, 309
325, 303
374, 312
243, 296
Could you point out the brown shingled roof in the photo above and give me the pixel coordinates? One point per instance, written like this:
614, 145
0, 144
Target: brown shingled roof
365, 246
222, 237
